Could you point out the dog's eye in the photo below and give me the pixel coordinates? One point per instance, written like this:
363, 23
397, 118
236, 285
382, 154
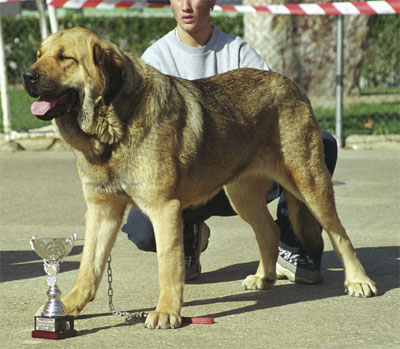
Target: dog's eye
62, 57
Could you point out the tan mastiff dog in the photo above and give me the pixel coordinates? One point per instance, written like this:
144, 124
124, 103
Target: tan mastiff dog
162, 143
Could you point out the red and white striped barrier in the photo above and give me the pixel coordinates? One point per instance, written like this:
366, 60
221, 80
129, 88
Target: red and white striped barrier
329, 8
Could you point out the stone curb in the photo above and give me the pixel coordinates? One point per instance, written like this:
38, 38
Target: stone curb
372, 141
51, 142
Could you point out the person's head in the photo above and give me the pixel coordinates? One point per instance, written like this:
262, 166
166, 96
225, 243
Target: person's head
193, 20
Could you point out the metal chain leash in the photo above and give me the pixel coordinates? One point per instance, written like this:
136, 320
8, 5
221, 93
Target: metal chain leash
128, 315
140, 314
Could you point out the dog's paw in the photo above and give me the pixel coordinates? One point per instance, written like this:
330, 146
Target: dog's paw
254, 282
158, 320
362, 289
74, 303
72, 307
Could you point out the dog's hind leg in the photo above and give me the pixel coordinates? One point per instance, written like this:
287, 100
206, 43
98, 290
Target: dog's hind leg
103, 220
247, 196
306, 227
314, 187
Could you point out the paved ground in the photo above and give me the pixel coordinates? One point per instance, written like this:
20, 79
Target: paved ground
41, 195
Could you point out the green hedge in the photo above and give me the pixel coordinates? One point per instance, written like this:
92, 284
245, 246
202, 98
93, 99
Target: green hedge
135, 34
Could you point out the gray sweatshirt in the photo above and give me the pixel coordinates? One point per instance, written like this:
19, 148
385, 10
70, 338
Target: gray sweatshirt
222, 53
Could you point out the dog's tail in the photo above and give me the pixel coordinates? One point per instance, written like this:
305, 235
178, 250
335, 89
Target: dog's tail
306, 227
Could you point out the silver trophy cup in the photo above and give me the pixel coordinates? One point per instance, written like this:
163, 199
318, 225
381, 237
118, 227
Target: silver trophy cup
54, 322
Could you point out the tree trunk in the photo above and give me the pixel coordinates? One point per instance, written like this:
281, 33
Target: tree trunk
304, 47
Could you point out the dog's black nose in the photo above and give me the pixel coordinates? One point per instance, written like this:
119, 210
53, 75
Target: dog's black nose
31, 76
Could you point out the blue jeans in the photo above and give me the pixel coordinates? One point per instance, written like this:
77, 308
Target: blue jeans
140, 230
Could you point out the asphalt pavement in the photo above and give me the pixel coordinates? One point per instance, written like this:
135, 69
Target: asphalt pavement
41, 196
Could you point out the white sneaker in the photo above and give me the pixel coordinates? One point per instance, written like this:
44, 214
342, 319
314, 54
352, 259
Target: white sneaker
298, 268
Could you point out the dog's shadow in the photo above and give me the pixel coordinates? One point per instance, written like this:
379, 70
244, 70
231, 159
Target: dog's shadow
381, 264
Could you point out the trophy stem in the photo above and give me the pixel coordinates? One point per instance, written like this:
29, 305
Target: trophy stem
54, 306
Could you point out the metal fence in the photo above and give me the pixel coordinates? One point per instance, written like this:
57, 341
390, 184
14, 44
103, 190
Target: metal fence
372, 106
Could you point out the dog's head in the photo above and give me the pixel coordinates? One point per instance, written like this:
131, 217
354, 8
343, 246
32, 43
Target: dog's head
75, 71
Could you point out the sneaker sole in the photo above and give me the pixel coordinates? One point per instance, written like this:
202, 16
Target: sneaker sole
283, 273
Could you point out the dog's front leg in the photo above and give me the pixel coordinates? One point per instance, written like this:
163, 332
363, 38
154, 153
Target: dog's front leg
103, 220
168, 229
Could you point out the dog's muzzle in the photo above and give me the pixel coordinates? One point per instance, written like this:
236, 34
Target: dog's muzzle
31, 78
51, 104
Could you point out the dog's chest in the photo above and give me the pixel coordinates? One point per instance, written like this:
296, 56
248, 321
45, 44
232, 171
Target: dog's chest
108, 178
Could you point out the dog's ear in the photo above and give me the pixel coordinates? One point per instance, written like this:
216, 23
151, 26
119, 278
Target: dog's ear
112, 67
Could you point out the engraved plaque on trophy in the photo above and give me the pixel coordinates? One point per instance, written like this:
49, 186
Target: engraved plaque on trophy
54, 322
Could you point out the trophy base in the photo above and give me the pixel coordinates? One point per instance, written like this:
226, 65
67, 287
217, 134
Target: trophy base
53, 335
56, 327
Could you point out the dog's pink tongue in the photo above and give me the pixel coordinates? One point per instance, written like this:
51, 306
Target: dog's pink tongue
41, 107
